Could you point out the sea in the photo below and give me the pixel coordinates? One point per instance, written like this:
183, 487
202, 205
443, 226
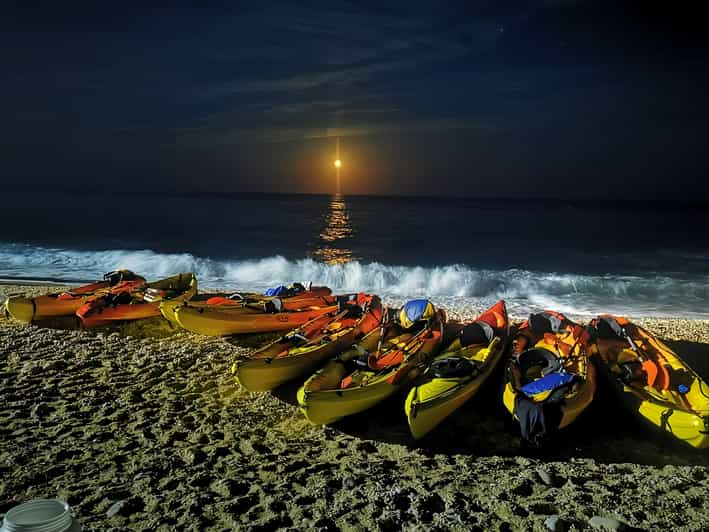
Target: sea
582, 257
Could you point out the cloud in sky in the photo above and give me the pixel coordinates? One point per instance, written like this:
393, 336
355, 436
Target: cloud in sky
520, 78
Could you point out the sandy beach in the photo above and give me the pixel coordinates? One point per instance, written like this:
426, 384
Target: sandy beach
142, 427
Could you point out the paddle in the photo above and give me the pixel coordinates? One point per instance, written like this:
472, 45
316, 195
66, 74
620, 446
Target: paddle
415, 343
385, 319
319, 337
298, 332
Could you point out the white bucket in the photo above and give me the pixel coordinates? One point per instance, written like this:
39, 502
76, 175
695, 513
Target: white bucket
40, 515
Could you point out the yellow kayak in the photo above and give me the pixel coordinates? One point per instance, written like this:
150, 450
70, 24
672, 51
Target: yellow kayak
549, 384
291, 298
168, 306
300, 351
387, 359
455, 375
653, 381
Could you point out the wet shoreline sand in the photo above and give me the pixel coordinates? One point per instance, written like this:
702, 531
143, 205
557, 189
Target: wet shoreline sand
141, 427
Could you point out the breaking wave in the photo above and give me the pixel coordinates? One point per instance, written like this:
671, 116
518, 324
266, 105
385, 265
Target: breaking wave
676, 295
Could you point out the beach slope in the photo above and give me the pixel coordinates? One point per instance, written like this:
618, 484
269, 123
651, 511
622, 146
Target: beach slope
142, 427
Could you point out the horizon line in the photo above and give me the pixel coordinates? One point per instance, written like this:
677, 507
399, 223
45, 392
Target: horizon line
197, 192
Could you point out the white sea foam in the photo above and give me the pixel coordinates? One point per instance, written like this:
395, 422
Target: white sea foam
453, 285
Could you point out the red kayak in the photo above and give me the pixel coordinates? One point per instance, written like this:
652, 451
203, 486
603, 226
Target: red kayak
137, 304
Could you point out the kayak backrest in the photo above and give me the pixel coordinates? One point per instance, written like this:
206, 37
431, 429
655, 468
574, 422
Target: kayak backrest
543, 360
658, 375
547, 322
608, 326
115, 277
478, 332
452, 367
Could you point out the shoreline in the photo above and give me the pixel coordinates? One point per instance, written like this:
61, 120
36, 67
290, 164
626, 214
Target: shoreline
142, 427
42, 281
36, 286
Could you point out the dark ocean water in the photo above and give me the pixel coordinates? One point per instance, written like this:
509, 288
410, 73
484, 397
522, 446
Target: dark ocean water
582, 257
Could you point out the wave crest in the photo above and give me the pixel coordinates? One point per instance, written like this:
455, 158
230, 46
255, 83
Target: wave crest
456, 284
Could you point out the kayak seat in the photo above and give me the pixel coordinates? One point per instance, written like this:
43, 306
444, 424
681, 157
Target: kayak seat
632, 371
453, 367
273, 306
477, 333
393, 357
546, 322
646, 373
657, 375
354, 311
121, 298
557, 343
115, 277
352, 379
541, 360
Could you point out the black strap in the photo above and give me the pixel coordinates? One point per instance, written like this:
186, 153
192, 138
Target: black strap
665, 419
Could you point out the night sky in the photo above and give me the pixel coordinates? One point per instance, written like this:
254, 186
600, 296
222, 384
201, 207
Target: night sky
556, 98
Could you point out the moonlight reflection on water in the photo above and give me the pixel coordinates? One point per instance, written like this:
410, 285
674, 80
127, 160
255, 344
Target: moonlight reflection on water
330, 247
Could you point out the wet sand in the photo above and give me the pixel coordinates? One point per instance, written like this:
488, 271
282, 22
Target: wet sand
141, 427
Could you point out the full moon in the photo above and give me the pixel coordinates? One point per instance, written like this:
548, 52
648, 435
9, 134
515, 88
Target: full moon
338, 163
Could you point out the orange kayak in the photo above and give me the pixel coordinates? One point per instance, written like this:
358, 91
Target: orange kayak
137, 304
67, 303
